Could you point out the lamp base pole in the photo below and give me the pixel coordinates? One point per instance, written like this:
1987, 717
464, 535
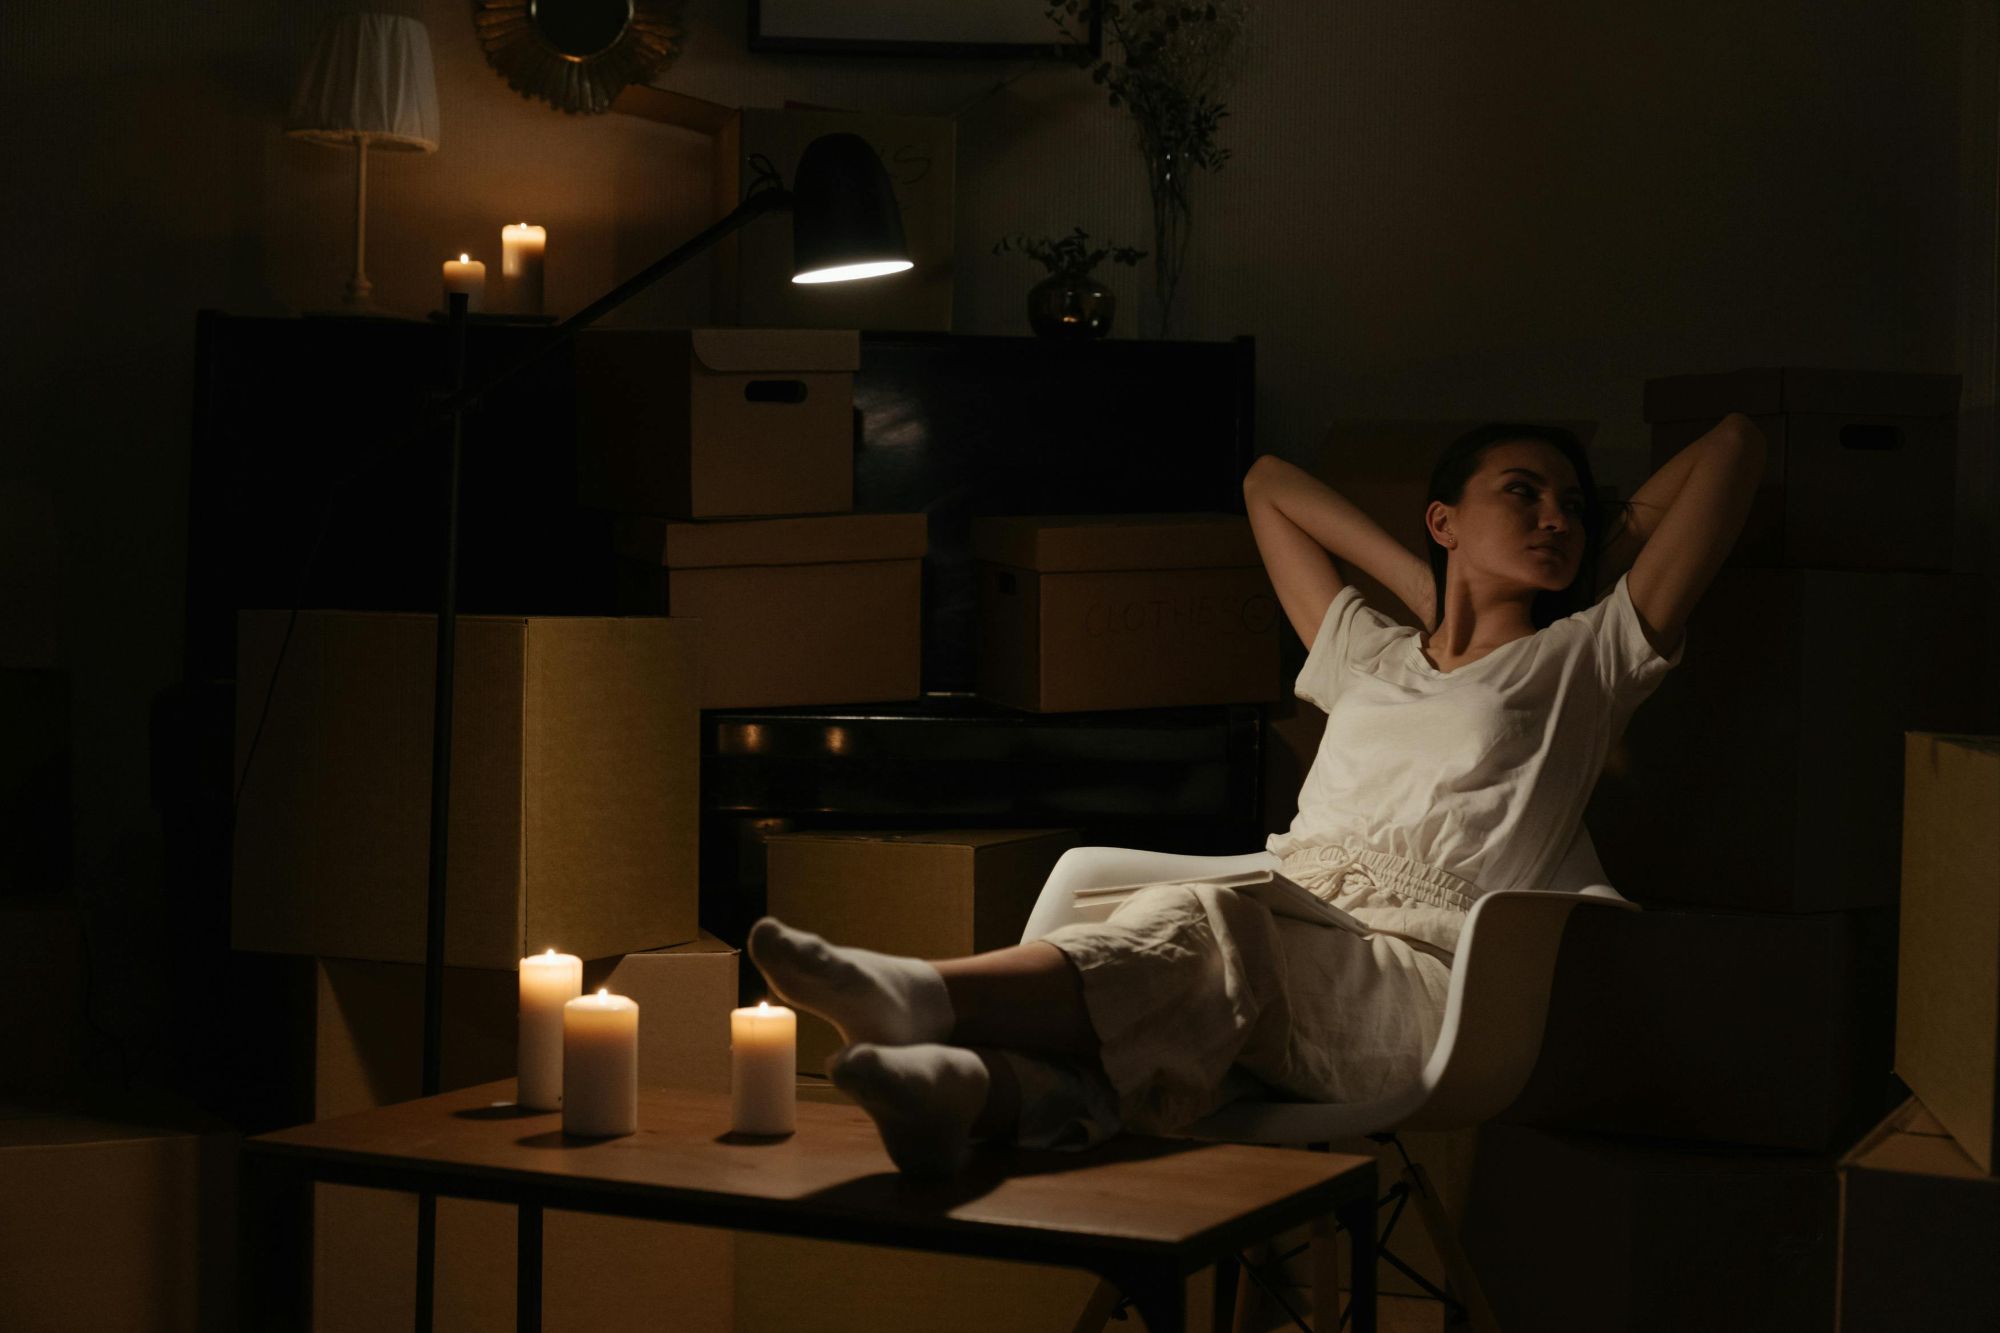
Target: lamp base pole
358, 287
434, 917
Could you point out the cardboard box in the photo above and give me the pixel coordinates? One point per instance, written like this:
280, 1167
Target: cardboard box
1572, 1232
1780, 739
928, 894
1091, 611
753, 267
1861, 466
793, 610
1767, 1030
1948, 981
599, 1273
573, 805
1919, 1226
117, 1214
706, 423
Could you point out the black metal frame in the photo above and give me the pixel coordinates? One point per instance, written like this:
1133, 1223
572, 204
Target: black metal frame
1399, 1195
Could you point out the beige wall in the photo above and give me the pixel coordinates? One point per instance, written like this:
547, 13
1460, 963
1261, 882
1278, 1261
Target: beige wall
1435, 210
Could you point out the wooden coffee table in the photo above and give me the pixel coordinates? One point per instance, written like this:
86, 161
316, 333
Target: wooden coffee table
1142, 1213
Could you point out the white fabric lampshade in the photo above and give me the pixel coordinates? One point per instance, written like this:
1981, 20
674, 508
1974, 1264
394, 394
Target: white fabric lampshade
369, 78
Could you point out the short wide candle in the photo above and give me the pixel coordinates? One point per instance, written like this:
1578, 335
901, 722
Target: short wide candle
522, 247
548, 982
601, 1065
763, 1069
468, 275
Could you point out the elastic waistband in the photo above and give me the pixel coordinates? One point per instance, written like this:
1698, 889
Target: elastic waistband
1335, 867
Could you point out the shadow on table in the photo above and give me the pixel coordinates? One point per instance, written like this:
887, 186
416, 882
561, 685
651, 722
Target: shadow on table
990, 1167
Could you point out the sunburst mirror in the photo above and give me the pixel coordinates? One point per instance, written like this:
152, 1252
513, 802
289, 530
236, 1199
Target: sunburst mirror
578, 54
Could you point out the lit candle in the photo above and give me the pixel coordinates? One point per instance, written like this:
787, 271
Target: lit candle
521, 249
468, 275
600, 1074
763, 1069
548, 982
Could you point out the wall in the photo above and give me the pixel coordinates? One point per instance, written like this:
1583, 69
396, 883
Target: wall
1434, 210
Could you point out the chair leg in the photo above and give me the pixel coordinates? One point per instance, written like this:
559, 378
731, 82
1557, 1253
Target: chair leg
1097, 1310
1465, 1285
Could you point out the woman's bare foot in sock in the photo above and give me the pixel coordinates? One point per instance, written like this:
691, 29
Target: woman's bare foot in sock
924, 1099
879, 998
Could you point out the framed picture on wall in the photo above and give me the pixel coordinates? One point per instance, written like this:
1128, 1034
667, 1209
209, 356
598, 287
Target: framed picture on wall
973, 29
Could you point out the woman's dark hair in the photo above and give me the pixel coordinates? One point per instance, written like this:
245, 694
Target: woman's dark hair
1460, 460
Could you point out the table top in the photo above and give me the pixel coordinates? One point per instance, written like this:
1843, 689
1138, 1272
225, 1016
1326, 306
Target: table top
1137, 1196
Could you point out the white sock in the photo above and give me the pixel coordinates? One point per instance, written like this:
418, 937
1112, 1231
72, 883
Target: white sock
871, 997
924, 1099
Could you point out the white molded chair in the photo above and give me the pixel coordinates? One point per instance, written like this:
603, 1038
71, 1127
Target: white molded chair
1492, 1033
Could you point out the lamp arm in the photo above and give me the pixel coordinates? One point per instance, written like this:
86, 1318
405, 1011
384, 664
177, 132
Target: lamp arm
758, 204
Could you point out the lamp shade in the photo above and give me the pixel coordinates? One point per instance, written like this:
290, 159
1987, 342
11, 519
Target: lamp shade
845, 222
369, 78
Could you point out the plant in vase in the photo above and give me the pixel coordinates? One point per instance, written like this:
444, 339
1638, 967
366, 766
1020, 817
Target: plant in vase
1069, 303
1173, 62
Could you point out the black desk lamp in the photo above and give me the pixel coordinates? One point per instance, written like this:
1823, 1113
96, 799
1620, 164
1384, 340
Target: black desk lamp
845, 225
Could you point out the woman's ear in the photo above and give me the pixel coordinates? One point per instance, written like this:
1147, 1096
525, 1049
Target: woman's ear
1437, 521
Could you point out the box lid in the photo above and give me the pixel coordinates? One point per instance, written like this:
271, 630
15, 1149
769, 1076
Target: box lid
1071, 542
1910, 1141
1765, 391
750, 351
811, 540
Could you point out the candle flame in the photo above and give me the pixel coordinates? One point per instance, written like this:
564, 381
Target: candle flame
762, 1005
604, 990
466, 259
552, 952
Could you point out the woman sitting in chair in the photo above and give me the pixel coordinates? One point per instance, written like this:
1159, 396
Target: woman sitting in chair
1455, 762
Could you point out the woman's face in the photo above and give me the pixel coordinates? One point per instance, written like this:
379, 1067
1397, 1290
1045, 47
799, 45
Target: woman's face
1521, 517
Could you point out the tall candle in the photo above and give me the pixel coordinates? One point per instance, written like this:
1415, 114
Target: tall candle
600, 1073
468, 275
763, 1069
521, 252
548, 982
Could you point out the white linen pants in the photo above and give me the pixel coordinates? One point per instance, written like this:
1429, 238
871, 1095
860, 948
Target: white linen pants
1190, 986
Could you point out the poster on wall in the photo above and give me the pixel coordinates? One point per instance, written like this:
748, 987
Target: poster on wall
983, 29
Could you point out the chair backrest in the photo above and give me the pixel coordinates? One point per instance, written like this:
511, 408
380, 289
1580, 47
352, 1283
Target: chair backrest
1498, 1003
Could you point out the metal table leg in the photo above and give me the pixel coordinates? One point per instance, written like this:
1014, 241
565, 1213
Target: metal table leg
528, 1268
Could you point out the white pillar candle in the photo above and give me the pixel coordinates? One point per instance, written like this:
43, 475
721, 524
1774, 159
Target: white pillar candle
601, 1065
468, 275
521, 251
763, 1069
548, 982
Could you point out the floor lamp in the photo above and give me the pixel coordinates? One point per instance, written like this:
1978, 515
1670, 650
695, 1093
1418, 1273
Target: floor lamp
845, 226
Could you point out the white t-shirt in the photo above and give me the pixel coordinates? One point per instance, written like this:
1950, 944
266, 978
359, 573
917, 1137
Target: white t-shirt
1483, 770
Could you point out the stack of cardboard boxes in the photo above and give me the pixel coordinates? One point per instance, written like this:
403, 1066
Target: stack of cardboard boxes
728, 455
1672, 1161
1919, 1198
573, 825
